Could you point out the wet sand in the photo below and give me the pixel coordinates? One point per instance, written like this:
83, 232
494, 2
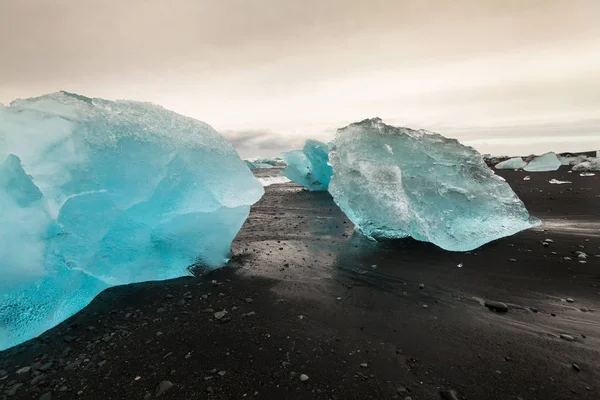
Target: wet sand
305, 294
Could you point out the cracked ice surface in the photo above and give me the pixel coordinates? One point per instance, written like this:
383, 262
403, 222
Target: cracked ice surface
399, 182
95, 193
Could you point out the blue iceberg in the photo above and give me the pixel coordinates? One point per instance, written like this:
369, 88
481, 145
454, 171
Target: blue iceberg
512, 163
309, 167
399, 182
96, 193
546, 162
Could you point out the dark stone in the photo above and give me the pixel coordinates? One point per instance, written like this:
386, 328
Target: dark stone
496, 306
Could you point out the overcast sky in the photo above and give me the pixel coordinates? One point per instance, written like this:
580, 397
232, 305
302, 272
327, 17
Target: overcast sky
511, 77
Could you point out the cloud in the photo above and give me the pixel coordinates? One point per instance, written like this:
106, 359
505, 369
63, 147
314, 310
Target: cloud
261, 142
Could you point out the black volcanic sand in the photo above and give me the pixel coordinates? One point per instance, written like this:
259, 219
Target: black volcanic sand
304, 294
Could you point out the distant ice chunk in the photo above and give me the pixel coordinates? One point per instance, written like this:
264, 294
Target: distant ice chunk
591, 164
273, 180
572, 159
513, 163
557, 182
545, 162
399, 182
309, 167
96, 193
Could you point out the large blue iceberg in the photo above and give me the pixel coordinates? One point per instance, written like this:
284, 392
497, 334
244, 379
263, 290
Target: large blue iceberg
399, 182
309, 167
546, 162
96, 193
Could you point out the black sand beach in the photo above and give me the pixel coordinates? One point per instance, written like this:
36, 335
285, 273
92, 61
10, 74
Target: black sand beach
307, 297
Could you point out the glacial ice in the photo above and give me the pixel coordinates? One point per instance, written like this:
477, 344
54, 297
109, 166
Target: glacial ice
572, 159
545, 162
591, 164
558, 182
512, 163
96, 193
398, 182
309, 167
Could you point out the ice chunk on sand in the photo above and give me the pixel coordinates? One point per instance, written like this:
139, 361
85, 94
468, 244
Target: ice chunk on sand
571, 159
95, 193
557, 182
272, 180
545, 162
309, 167
513, 163
591, 164
398, 182
587, 174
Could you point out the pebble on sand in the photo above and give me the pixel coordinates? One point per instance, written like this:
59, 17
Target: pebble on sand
496, 306
448, 395
303, 377
566, 337
163, 387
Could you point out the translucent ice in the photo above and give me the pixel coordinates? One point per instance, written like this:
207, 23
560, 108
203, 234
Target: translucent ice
512, 163
95, 193
309, 167
398, 182
545, 162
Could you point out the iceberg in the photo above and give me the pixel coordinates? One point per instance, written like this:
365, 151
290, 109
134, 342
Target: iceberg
97, 193
545, 162
513, 163
398, 182
591, 164
571, 159
309, 167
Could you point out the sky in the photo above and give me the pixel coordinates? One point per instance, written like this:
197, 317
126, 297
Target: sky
508, 77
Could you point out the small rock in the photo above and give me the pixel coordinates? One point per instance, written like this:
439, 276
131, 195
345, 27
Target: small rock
512, 259
251, 313
163, 387
13, 390
548, 241
425, 306
448, 395
570, 300
576, 367
46, 396
248, 300
496, 306
222, 373
421, 286
364, 365
533, 309
566, 337
583, 309
220, 314
303, 377
582, 256
23, 370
